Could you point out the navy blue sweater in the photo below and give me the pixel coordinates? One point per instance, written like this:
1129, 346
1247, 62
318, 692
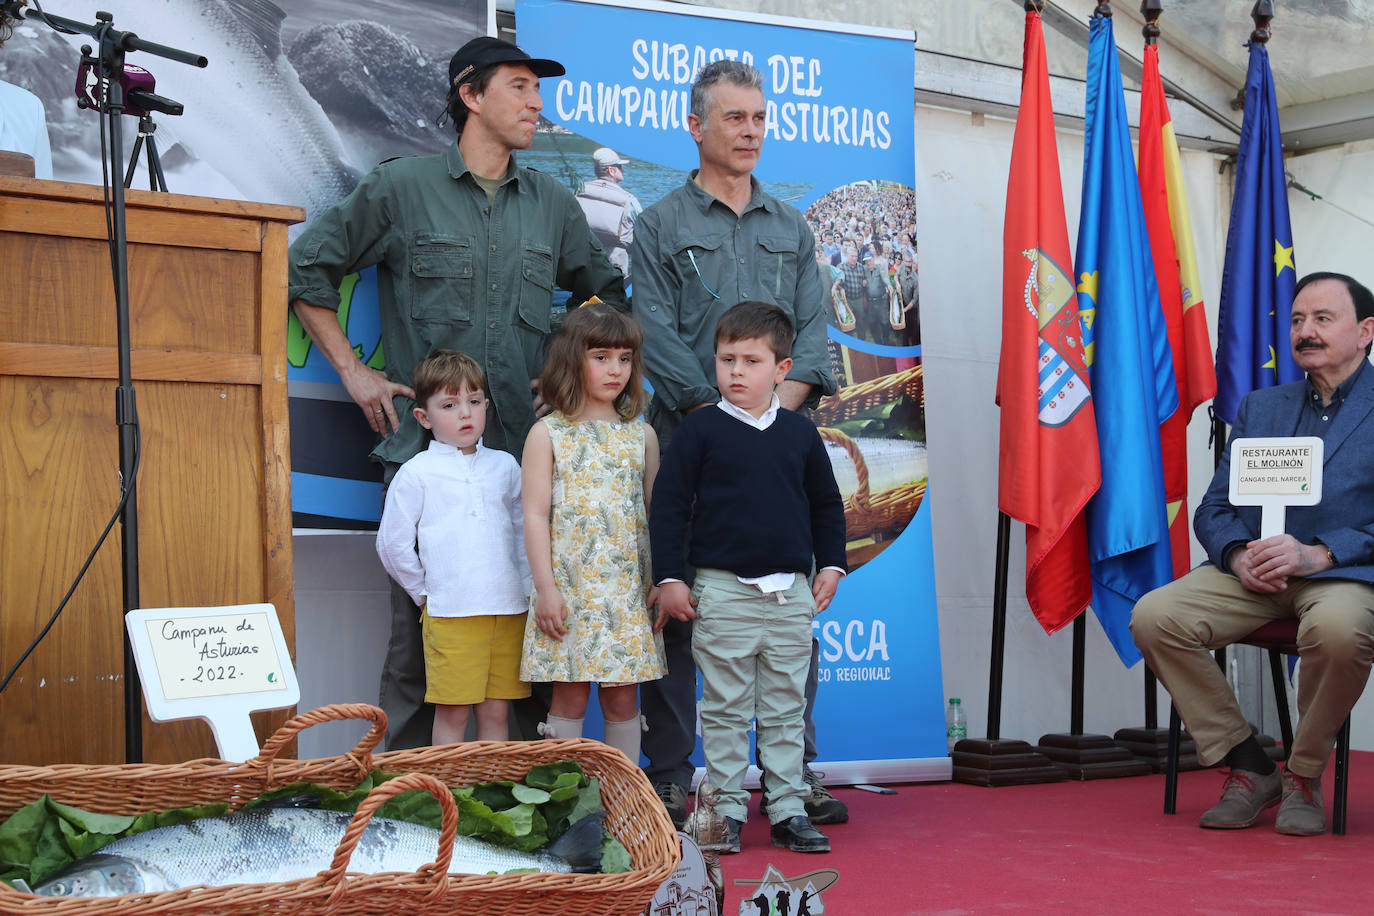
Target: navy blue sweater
754, 501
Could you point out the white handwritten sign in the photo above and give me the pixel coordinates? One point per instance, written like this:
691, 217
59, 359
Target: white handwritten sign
1274, 473
214, 663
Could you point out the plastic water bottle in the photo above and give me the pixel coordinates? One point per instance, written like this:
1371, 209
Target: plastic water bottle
956, 726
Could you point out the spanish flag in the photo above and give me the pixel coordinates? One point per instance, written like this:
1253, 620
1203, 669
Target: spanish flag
1171, 245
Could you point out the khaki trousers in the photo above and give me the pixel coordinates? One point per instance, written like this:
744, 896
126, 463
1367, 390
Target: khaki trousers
1177, 627
754, 653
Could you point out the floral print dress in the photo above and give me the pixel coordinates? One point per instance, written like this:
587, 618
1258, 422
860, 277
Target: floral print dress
600, 541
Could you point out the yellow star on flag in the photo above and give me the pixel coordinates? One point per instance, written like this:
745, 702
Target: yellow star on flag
1283, 257
1273, 361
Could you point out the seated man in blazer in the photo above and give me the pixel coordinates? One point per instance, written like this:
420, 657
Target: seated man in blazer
1321, 571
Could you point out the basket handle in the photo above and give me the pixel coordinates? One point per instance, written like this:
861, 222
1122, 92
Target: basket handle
436, 872
335, 712
861, 501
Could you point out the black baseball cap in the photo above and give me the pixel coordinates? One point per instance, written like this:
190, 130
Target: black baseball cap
484, 52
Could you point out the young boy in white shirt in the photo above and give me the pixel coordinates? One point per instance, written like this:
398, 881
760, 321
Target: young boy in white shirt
452, 535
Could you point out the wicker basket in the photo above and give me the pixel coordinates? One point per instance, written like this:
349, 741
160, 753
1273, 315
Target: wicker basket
634, 816
867, 513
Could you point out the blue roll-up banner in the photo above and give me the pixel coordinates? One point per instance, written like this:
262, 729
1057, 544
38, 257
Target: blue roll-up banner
840, 147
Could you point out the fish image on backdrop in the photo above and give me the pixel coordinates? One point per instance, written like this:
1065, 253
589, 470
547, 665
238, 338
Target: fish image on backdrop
295, 104
268, 845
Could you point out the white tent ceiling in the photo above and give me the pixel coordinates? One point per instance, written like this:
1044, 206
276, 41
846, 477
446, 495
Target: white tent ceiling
1319, 53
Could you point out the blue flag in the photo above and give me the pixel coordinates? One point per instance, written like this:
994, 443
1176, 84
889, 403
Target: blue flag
1257, 282
1131, 369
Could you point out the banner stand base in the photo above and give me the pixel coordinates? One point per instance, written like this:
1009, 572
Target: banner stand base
1002, 762
1092, 756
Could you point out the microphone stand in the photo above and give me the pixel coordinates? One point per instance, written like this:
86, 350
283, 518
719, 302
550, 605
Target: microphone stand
112, 46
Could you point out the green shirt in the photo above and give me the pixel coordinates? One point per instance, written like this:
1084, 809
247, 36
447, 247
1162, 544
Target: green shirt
458, 272
694, 258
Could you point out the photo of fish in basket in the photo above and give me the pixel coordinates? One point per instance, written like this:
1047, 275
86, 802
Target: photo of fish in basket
874, 430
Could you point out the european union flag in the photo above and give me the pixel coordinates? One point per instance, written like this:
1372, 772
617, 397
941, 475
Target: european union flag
1131, 365
1258, 279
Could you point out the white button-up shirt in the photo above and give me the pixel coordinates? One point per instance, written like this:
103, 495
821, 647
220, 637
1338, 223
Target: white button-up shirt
452, 532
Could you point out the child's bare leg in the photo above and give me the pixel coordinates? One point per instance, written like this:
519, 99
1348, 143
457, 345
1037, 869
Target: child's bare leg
619, 703
491, 720
566, 710
450, 723
570, 699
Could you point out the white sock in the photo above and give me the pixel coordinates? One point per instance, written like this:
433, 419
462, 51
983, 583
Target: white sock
559, 727
624, 737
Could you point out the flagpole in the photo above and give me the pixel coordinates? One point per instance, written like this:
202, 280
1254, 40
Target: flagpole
999, 626
1151, 10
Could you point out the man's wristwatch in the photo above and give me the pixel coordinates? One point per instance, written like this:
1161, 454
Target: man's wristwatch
1331, 556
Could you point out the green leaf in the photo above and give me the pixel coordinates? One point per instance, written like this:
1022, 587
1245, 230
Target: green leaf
522, 817
19, 835
553, 775
82, 843
496, 795
51, 855
89, 821
615, 858
528, 795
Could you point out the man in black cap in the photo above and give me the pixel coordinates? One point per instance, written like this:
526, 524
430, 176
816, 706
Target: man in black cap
468, 247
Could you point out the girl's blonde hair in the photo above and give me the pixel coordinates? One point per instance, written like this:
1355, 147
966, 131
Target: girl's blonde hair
591, 327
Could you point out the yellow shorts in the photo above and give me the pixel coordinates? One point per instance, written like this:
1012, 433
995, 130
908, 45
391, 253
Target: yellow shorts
471, 659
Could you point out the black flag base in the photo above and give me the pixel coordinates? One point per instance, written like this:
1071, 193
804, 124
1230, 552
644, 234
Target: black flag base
1091, 756
1152, 746
1002, 762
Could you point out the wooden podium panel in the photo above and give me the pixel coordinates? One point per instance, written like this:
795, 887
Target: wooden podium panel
207, 291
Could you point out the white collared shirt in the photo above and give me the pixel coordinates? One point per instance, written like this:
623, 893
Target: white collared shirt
452, 532
744, 416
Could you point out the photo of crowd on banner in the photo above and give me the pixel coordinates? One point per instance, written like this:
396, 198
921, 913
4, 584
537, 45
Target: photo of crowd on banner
866, 246
874, 426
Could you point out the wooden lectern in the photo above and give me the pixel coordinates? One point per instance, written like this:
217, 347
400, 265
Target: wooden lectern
207, 294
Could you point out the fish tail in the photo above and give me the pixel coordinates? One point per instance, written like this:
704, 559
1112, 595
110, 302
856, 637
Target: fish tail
580, 846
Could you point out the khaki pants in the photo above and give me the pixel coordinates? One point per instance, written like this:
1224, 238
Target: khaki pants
1177, 627
753, 653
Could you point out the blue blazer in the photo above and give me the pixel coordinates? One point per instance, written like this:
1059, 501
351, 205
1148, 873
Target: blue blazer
1344, 519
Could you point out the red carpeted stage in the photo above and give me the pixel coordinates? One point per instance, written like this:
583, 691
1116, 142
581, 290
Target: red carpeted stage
1069, 847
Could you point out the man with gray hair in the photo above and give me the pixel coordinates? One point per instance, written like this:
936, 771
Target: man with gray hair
610, 208
717, 240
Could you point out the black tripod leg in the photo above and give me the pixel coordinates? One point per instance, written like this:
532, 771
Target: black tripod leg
133, 163
156, 179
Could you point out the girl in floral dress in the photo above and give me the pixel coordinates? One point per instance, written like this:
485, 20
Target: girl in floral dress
587, 473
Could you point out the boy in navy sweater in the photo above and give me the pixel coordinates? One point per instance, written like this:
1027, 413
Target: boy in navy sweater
746, 496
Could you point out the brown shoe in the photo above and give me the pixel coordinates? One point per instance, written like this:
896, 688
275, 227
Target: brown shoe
1244, 796
1301, 813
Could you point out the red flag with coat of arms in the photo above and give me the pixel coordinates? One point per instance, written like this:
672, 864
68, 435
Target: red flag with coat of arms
1048, 464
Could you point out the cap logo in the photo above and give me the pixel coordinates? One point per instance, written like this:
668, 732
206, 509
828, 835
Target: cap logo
463, 73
